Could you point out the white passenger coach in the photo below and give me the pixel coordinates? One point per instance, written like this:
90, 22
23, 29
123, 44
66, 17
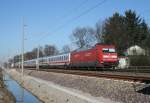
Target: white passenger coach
62, 60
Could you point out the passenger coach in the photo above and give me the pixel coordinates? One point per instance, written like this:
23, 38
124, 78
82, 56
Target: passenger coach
100, 55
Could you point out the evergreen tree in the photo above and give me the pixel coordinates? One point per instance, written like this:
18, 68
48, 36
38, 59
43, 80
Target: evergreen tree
113, 32
125, 31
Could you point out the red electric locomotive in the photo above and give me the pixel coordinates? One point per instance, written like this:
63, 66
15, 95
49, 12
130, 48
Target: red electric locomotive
101, 55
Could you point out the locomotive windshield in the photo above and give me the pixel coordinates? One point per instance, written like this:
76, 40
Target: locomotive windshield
108, 50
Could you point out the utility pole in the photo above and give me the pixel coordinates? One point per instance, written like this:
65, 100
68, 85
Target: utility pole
37, 62
8, 60
19, 63
23, 25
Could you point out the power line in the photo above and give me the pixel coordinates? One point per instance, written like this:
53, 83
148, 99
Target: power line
70, 12
75, 18
74, 9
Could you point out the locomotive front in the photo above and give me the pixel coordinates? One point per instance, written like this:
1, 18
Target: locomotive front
107, 55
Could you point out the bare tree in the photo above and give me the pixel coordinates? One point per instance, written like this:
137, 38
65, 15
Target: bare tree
29, 56
66, 49
50, 50
33, 54
41, 52
16, 58
99, 31
10, 61
83, 37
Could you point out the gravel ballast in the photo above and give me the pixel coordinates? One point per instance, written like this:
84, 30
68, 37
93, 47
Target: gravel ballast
116, 90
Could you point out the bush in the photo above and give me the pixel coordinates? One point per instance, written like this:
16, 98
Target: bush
139, 60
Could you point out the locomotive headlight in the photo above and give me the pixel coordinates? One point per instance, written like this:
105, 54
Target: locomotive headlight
105, 56
114, 56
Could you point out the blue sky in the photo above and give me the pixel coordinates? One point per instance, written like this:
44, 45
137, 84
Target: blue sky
43, 17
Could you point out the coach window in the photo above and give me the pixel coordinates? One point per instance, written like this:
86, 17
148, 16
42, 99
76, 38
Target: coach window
64, 57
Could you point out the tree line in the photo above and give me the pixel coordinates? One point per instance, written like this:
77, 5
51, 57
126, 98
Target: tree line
47, 50
123, 31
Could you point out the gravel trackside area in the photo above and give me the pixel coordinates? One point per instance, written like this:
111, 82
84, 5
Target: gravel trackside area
116, 90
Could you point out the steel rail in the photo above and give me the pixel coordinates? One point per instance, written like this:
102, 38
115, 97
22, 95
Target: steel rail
121, 76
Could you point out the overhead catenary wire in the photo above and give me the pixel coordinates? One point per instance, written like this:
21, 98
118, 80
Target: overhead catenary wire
73, 19
69, 13
74, 9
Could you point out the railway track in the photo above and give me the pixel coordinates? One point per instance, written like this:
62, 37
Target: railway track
135, 70
140, 77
